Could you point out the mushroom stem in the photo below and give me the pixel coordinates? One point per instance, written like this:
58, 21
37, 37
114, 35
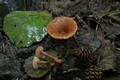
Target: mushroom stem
36, 61
39, 52
45, 62
52, 58
42, 62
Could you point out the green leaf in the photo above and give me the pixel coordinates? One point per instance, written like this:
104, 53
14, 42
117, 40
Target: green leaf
26, 27
67, 54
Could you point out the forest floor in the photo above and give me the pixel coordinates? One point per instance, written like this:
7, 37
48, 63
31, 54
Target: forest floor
98, 28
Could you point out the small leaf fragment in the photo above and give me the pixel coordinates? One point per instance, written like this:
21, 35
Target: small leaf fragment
35, 73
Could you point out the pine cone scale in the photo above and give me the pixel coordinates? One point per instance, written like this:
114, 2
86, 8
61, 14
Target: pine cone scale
92, 73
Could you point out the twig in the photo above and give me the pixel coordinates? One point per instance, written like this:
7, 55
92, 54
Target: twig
80, 20
84, 25
76, 41
71, 70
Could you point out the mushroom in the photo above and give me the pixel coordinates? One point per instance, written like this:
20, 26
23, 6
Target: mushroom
36, 61
62, 28
39, 52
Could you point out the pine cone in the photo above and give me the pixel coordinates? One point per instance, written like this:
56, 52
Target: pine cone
92, 73
87, 56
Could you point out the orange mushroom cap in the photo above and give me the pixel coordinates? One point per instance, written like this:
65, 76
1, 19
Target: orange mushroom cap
62, 28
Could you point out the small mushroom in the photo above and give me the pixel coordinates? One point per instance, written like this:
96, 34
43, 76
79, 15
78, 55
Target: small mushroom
36, 61
62, 28
39, 52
